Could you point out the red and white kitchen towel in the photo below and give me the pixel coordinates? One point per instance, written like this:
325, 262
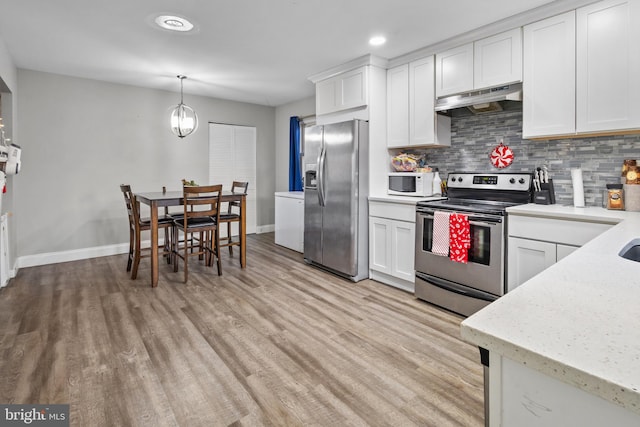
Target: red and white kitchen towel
451, 236
459, 238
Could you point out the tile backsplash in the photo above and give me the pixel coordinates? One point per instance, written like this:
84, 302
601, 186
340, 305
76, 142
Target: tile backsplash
474, 137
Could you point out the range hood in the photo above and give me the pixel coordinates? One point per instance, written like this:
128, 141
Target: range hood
481, 101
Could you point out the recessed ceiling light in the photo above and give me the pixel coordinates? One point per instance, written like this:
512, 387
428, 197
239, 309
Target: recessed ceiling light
173, 23
377, 40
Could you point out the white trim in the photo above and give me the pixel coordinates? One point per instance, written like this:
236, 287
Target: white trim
521, 19
348, 66
270, 228
72, 255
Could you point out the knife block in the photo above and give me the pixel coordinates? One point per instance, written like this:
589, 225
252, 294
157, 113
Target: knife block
546, 195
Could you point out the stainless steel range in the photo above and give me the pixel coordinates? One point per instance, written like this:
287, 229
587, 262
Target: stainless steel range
483, 197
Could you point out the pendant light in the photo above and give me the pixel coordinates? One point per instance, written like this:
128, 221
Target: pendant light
183, 119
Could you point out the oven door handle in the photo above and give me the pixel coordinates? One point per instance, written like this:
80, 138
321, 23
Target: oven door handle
455, 288
472, 219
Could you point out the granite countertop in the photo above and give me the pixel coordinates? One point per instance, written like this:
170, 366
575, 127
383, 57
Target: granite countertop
577, 321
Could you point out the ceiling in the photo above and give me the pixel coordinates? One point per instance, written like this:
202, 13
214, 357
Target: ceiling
257, 51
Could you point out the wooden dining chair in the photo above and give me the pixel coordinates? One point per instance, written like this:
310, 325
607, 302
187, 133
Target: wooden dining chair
136, 226
201, 215
232, 215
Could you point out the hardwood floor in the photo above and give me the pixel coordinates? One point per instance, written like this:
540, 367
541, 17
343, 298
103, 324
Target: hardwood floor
277, 344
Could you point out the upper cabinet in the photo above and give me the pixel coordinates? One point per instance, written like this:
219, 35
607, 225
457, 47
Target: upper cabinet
608, 65
549, 77
454, 70
581, 72
498, 59
411, 119
342, 92
484, 63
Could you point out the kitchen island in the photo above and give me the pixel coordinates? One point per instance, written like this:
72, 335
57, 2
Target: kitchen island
564, 347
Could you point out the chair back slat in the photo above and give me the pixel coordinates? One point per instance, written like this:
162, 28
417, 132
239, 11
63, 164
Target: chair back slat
202, 201
238, 187
132, 206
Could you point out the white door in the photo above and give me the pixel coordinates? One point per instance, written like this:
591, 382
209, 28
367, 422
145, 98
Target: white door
454, 70
421, 102
398, 106
498, 59
403, 240
528, 258
608, 66
380, 244
232, 157
549, 104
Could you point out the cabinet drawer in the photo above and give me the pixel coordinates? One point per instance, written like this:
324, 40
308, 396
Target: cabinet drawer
575, 233
398, 211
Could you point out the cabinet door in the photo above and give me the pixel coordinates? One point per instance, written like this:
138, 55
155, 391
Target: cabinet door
380, 244
608, 66
549, 77
326, 101
289, 227
422, 102
564, 250
398, 106
353, 89
527, 258
403, 239
454, 70
498, 59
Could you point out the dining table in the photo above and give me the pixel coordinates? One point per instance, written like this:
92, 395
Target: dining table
158, 199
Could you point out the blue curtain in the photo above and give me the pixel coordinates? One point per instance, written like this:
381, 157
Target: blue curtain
295, 168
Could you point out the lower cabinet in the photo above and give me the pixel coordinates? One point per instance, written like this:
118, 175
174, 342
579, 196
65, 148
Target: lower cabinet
535, 244
289, 230
530, 257
391, 244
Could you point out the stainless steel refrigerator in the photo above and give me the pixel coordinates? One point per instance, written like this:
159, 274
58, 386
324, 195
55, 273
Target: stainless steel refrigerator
336, 186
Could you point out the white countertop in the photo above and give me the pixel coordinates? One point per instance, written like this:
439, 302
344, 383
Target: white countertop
291, 194
579, 320
407, 200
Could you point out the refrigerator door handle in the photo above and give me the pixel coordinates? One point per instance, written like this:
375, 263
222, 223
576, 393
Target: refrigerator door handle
321, 160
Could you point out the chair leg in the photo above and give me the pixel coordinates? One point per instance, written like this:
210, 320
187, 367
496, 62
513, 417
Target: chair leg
131, 242
167, 245
136, 257
186, 257
229, 238
216, 237
176, 247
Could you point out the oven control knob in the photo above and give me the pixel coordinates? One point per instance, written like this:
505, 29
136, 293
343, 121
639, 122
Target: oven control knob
453, 179
512, 180
521, 180
459, 179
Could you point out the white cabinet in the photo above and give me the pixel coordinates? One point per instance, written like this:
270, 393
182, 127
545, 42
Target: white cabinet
549, 77
581, 71
392, 243
411, 119
534, 244
289, 230
342, 92
498, 59
398, 106
454, 70
608, 66
491, 61
527, 258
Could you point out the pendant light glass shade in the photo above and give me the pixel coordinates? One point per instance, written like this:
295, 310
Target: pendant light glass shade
183, 119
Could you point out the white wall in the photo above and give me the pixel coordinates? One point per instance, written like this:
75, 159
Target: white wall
8, 107
82, 138
301, 108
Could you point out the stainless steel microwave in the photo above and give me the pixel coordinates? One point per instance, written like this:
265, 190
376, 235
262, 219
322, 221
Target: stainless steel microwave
410, 184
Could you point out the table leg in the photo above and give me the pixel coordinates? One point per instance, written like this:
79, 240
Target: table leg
154, 244
243, 232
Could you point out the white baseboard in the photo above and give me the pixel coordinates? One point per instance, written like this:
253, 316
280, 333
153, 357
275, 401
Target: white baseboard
85, 253
270, 228
72, 255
